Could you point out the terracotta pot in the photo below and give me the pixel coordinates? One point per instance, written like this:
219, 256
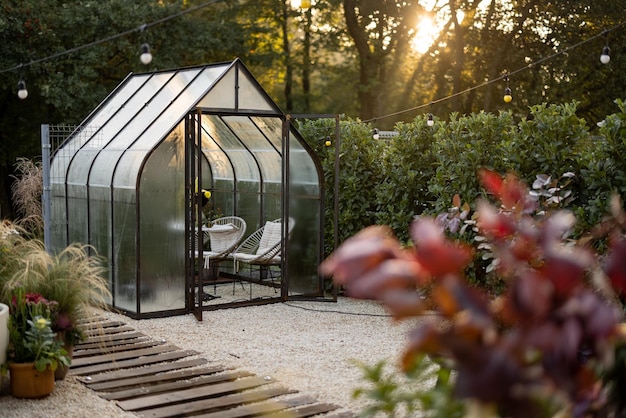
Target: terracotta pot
61, 371
27, 382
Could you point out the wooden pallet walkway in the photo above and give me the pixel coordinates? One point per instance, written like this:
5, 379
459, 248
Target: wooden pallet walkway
155, 379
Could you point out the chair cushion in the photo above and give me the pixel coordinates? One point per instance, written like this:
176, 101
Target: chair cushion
223, 237
271, 236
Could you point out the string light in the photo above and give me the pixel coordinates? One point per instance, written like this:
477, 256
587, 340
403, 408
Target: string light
430, 121
22, 93
375, 134
605, 57
146, 56
328, 143
507, 91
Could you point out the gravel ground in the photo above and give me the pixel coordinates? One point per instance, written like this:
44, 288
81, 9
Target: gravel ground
306, 346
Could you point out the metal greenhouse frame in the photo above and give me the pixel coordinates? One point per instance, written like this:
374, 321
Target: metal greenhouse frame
129, 182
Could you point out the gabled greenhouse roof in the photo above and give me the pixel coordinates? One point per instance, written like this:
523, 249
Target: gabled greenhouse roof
145, 108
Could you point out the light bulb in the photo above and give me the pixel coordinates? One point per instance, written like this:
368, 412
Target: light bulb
430, 121
305, 4
605, 57
146, 56
375, 134
22, 93
328, 143
507, 95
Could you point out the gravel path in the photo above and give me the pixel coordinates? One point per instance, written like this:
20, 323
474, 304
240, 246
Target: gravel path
306, 346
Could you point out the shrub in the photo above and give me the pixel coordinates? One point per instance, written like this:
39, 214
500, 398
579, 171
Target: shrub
546, 345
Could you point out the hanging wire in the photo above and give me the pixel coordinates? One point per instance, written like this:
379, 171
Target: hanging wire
495, 80
113, 37
208, 3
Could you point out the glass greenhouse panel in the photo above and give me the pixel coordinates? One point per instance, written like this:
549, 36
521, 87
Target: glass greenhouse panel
77, 213
100, 226
125, 256
127, 170
116, 104
244, 168
58, 215
81, 164
305, 242
251, 97
265, 154
140, 110
101, 172
248, 207
272, 129
180, 105
162, 228
223, 94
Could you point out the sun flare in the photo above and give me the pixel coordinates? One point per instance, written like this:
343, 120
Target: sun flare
425, 34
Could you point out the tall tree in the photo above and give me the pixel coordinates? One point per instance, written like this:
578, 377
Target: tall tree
64, 88
381, 31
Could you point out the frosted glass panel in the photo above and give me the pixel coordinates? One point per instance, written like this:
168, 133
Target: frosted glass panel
103, 166
268, 158
162, 235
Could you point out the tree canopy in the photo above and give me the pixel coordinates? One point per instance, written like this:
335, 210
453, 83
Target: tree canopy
366, 59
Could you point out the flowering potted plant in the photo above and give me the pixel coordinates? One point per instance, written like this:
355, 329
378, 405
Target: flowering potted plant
34, 352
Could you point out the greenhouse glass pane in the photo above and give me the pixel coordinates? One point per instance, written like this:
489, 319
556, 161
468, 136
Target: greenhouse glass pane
267, 156
186, 91
272, 128
58, 216
116, 106
80, 166
139, 110
251, 96
162, 228
305, 207
125, 256
248, 206
101, 172
77, 213
302, 169
244, 165
127, 170
100, 224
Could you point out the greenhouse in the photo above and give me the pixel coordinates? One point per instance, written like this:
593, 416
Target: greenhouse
197, 191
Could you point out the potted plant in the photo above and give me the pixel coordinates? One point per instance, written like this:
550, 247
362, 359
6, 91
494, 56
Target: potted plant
72, 278
34, 352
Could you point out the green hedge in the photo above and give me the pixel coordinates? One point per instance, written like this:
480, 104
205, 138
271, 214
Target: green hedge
390, 181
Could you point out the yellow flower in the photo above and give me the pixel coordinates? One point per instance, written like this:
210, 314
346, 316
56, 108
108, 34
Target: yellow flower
41, 323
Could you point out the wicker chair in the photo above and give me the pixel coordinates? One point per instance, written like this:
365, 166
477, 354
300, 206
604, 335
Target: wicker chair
263, 248
224, 236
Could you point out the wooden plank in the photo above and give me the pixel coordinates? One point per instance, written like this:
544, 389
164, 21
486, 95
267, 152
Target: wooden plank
279, 409
142, 361
123, 384
191, 394
143, 371
122, 355
117, 348
106, 331
311, 410
174, 386
253, 410
213, 404
109, 338
94, 325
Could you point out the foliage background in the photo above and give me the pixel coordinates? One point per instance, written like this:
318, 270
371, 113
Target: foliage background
354, 58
